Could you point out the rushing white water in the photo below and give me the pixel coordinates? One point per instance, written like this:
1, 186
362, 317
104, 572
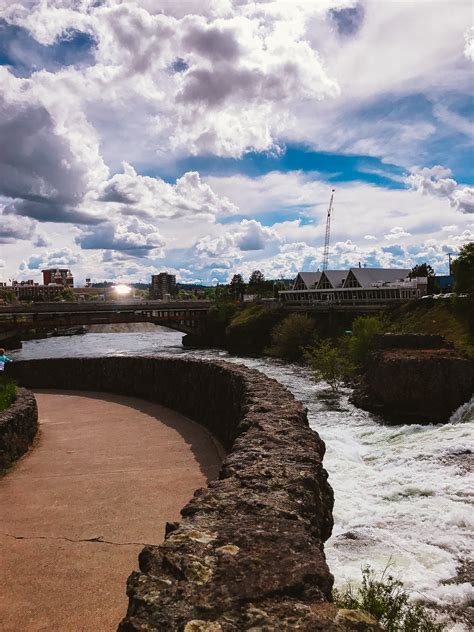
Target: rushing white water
403, 493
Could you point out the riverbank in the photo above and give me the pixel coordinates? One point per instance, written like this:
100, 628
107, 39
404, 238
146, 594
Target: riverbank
403, 493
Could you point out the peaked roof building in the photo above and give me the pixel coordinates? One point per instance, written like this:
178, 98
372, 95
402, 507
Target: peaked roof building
355, 285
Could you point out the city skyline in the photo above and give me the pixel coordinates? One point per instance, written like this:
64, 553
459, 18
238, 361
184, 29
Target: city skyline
204, 138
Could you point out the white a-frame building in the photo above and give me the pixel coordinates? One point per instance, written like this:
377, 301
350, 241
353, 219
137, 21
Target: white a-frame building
356, 285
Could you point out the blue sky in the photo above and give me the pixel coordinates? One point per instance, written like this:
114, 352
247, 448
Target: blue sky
205, 137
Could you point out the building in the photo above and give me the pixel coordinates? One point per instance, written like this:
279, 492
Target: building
162, 285
31, 291
356, 285
58, 276
445, 282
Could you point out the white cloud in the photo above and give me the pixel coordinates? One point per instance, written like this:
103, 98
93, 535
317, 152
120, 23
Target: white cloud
13, 228
132, 235
469, 43
395, 233
436, 181
189, 198
248, 235
63, 257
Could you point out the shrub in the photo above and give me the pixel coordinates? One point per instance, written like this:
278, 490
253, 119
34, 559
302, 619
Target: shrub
290, 336
249, 331
363, 330
384, 597
7, 393
329, 363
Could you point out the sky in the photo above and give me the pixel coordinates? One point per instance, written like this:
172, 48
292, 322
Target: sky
204, 137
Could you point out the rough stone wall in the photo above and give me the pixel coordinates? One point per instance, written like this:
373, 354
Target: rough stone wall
410, 341
248, 552
406, 381
18, 426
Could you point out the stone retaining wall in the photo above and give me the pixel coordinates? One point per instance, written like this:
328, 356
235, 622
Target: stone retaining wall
18, 426
410, 341
248, 551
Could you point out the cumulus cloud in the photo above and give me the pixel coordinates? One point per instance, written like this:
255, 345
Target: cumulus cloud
13, 228
436, 181
397, 232
133, 235
189, 198
247, 236
63, 257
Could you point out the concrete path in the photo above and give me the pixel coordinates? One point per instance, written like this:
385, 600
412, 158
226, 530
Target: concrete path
105, 475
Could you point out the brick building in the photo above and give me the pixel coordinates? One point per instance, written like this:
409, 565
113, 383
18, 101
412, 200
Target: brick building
162, 285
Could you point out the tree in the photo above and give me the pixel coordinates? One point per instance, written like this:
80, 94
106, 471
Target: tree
329, 363
65, 295
7, 295
290, 336
425, 270
210, 293
421, 270
463, 269
237, 287
363, 330
257, 282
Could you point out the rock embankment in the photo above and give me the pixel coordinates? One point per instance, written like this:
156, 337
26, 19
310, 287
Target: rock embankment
415, 378
248, 552
18, 426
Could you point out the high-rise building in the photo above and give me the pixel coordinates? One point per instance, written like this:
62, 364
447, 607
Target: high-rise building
162, 284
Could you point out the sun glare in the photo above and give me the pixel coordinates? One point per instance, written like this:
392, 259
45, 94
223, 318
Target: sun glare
122, 290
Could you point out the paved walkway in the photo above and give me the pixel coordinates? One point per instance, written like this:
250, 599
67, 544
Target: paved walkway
106, 473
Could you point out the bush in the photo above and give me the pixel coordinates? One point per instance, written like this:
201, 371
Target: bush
384, 597
7, 393
363, 330
329, 363
249, 331
290, 336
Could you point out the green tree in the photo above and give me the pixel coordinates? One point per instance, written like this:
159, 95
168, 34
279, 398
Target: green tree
257, 283
425, 270
237, 287
363, 330
65, 295
7, 295
223, 294
290, 336
329, 363
463, 269
210, 293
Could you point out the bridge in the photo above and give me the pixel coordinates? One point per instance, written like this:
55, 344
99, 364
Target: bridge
185, 316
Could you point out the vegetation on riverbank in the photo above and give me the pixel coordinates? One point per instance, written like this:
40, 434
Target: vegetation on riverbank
7, 393
385, 598
451, 318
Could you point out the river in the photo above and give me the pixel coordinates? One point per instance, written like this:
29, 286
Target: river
403, 493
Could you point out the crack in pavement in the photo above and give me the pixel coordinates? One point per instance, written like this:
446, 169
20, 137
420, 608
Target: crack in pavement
98, 539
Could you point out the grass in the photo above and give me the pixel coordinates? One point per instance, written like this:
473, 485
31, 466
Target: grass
7, 393
384, 597
450, 318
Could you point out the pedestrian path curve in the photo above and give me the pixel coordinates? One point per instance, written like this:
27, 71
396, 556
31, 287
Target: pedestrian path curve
105, 475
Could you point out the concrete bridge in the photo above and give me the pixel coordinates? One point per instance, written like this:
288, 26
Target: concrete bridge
185, 316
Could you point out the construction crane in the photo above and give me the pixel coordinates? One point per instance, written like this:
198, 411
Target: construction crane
328, 233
